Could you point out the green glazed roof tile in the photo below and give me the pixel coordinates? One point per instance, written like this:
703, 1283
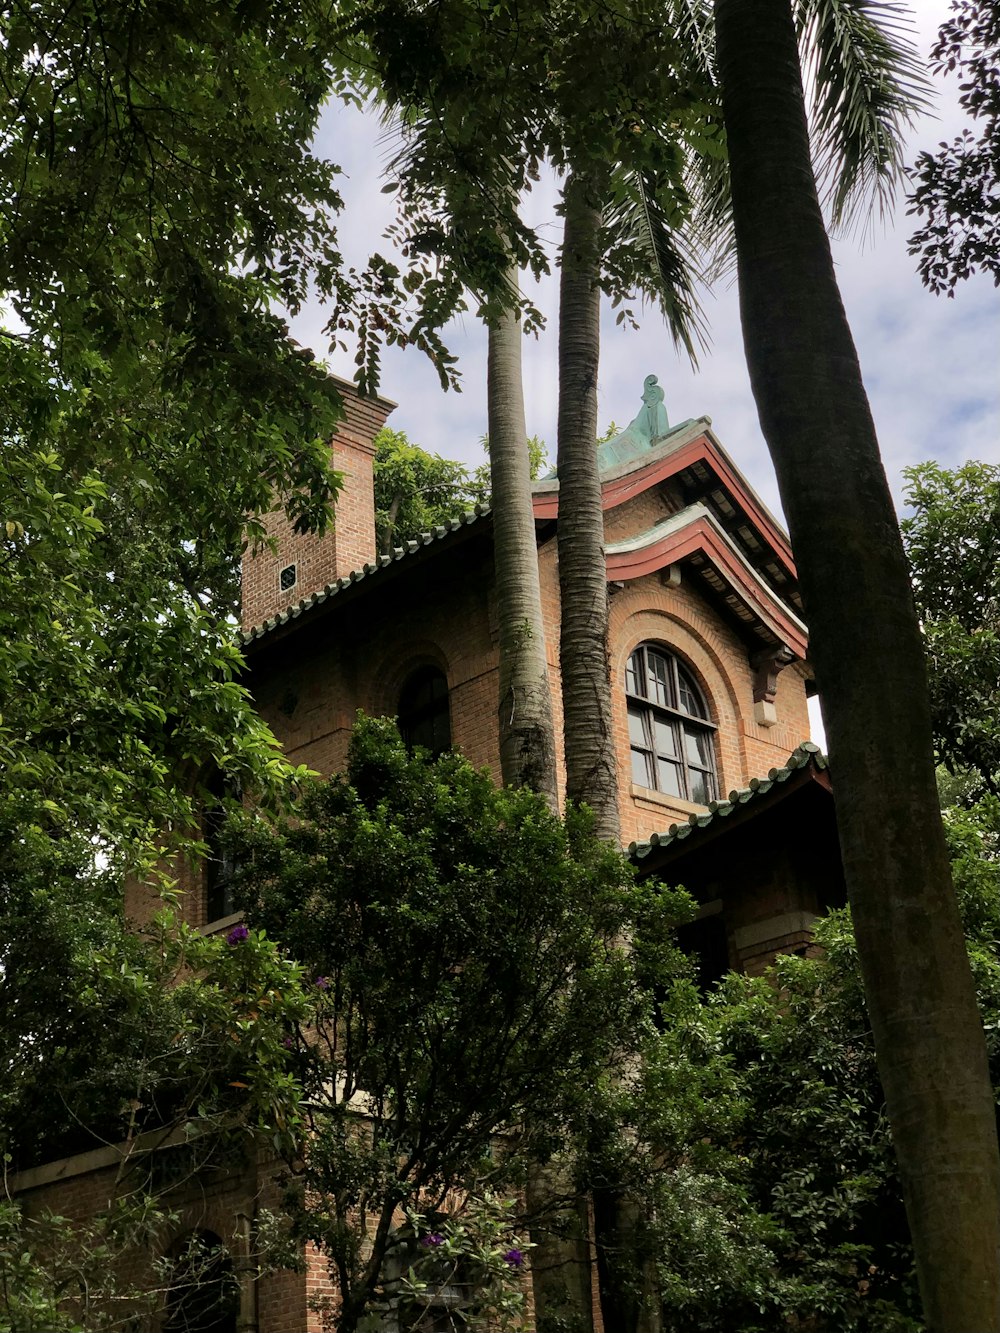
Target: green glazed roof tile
806, 753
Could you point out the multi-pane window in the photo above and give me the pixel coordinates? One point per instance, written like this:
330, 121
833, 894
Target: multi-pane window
670, 734
424, 716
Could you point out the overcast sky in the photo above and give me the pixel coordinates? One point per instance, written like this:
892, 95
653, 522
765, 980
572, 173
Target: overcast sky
931, 365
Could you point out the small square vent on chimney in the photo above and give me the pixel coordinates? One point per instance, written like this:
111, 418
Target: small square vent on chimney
287, 578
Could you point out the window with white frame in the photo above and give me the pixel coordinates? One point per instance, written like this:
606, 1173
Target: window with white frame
671, 735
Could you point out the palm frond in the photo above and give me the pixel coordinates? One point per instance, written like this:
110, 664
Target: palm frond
866, 84
650, 247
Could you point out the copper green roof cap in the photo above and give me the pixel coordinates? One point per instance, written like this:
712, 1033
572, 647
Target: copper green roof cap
649, 426
803, 755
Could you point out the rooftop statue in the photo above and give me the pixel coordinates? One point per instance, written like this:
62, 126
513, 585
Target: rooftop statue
649, 425
651, 421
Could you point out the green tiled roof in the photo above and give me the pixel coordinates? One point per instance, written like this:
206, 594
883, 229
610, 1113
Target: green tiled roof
627, 446
805, 754
382, 562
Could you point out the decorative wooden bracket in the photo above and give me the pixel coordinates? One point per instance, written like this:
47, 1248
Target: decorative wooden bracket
767, 666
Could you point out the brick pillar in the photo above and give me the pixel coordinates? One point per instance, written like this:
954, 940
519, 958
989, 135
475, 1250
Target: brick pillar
307, 562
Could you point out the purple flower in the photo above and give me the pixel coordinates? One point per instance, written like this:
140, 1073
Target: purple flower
288, 1043
322, 983
514, 1258
434, 1238
237, 935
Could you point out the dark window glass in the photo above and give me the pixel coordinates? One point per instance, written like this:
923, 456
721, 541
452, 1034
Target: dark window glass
221, 864
203, 1295
705, 941
669, 730
424, 716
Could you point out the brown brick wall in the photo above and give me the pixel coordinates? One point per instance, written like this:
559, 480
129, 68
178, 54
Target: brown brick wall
347, 545
202, 1203
447, 616
640, 514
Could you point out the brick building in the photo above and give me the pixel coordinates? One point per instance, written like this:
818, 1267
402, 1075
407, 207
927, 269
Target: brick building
708, 655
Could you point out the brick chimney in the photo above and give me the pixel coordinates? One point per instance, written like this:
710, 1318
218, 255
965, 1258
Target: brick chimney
303, 564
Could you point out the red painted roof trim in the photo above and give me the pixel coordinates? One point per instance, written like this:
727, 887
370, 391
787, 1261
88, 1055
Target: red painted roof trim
700, 450
701, 535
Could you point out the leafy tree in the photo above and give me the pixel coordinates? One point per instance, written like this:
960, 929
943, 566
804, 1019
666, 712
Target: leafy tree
151, 400
415, 491
760, 1140
165, 1043
472, 991
866, 644
157, 197
110, 1024
952, 540
957, 192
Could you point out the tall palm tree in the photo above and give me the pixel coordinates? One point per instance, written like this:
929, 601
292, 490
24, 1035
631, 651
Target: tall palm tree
527, 736
464, 152
589, 743
643, 217
865, 642
630, 101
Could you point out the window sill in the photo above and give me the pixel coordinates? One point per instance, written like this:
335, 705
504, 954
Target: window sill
649, 796
222, 923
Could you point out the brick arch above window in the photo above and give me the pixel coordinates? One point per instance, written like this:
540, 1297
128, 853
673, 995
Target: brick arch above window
671, 731
390, 672
712, 653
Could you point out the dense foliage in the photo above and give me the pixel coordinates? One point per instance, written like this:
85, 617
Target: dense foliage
766, 1166
952, 540
155, 196
415, 491
106, 1031
473, 989
957, 189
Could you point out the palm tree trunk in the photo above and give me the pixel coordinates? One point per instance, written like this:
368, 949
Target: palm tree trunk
591, 774
866, 645
591, 768
527, 739
560, 1267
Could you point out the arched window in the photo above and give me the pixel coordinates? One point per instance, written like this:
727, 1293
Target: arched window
204, 1295
669, 730
423, 714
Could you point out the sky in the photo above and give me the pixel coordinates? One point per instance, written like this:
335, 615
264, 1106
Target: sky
931, 365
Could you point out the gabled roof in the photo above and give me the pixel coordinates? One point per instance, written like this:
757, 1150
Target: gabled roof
735, 548
806, 761
694, 533
691, 455
405, 552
